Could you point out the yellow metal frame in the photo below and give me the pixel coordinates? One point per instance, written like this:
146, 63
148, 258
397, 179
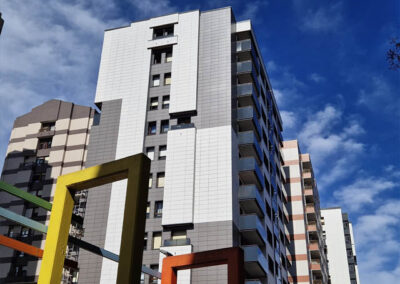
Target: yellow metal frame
136, 169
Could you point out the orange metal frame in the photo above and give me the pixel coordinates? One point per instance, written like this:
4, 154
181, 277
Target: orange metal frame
20, 246
233, 257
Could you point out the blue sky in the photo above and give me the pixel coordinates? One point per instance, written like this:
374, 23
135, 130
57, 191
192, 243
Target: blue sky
326, 62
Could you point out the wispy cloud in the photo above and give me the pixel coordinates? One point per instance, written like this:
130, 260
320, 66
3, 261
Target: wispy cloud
316, 78
364, 191
251, 9
322, 19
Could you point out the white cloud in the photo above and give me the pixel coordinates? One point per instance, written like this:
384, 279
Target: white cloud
363, 191
251, 9
289, 119
378, 245
322, 136
316, 78
324, 19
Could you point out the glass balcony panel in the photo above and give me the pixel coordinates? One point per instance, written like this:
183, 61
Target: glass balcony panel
251, 201
255, 263
252, 230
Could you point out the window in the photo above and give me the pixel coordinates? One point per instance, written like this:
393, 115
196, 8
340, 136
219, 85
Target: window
164, 126
151, 181
155, 81
152, 128
40, 161
157, 56
11, 231
168, 55
167, 79
165, 102
163, 31
48, 126
178, 235
24, 232
156, 240
184, 120
153, 103
145, 241
148, 210
44, 143
160, 179
142, 278
162, 152
150, 153
152, 279
158, 206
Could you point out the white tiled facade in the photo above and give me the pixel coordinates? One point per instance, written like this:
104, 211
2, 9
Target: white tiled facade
195, 200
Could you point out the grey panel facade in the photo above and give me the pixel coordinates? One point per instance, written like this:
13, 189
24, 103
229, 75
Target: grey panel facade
101, 149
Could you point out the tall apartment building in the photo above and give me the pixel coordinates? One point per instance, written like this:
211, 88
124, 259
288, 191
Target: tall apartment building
307, 251
190, 90
49, 141
340, 242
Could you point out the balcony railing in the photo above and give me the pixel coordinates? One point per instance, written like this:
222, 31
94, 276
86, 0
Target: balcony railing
178, 242
247, 120
250, 172
247, 95
249, 146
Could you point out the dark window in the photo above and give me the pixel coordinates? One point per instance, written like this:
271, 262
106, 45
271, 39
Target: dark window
184, 120
45, 143
157, 56
48, 126
271, 264
163, 32
164, 126
160, 179
162, 152
165, 102
148, 210
152, 128
168, 55
155, 81
167, 79
158, 206
153, 103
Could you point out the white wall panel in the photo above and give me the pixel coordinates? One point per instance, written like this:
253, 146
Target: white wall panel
124, 74
185, 63
183, 275
213, 184
179, 177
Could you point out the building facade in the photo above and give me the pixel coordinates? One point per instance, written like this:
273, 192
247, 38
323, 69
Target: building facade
190, 90
49, 141
341, 247
307, 251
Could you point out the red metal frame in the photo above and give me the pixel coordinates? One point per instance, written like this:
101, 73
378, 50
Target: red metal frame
233, 257
21, 246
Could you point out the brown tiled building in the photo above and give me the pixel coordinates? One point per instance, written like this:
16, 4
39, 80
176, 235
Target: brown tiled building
307, 250
45, 143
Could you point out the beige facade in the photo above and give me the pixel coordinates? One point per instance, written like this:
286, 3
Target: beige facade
45, 143
307, 250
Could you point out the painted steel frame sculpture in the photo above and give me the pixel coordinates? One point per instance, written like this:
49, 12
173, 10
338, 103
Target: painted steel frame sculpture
233, 257
136, 170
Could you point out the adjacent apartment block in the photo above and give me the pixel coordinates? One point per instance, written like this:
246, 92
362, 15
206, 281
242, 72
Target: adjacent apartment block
49, 141
307, 251
340, 242
190, 90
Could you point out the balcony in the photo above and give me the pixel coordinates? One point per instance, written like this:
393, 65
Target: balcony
313, 246
252, 230
251, 201
312, 226
315, 265
249, 146
247, 96
177, 242
250, 173
248, 121
247, 73
310, 209
255, 263
252, 282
